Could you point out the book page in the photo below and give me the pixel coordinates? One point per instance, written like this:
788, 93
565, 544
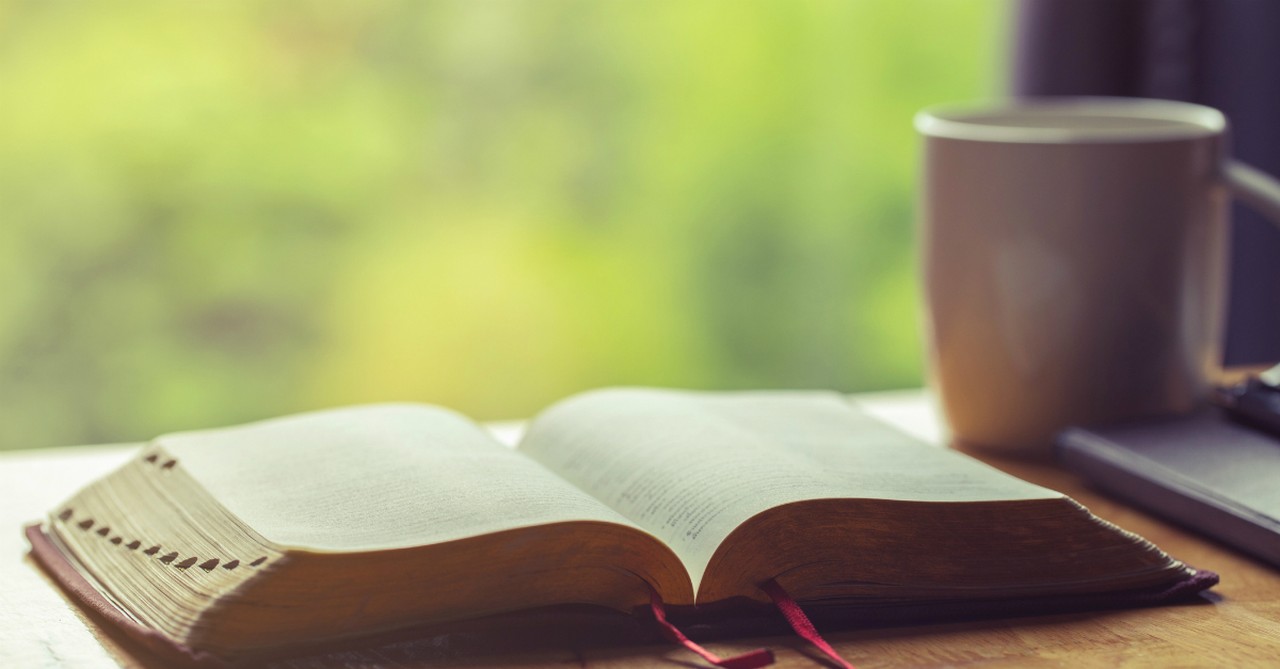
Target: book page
376, 477
690, 467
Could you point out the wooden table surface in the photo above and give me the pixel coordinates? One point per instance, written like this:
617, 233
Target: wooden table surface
1237, 626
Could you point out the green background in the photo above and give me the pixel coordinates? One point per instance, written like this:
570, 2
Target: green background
217, 212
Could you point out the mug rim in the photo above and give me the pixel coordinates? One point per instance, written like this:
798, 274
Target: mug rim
982, 122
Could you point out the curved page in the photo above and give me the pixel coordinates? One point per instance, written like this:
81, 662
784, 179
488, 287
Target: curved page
690, 467
376, 477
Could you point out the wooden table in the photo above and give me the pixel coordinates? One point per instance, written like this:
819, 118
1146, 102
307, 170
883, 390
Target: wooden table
1238, 626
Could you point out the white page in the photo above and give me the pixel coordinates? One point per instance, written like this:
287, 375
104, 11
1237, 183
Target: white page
690, 467
375, 477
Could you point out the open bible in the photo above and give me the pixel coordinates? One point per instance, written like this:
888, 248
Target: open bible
251, 540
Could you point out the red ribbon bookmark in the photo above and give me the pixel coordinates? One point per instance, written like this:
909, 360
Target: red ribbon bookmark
760, 657
800, 622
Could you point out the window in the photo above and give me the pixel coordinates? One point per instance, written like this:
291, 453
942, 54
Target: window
220, 212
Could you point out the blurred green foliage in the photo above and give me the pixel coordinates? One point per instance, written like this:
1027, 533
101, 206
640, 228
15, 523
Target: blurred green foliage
216, 212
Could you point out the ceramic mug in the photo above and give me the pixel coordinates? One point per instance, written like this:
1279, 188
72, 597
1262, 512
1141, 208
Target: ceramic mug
1074, 258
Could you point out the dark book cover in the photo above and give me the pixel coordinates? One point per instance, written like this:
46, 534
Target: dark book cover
1201, 470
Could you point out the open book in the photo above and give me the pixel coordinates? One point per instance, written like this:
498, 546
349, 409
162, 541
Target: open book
343, 523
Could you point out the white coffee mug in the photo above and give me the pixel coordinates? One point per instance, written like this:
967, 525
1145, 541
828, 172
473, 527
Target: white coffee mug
1074, 257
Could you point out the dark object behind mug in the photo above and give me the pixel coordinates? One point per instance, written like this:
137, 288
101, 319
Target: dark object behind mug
1220, 53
